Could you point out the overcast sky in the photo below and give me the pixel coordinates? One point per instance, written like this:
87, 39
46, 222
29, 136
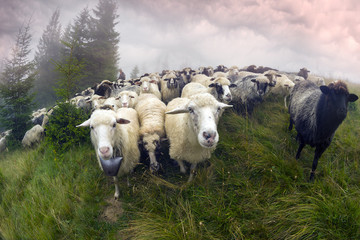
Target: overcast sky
322, 35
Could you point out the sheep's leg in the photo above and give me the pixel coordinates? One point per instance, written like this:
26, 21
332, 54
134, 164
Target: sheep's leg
301, 146
318, 152
154, 165
182, 167
291, 124
117, 191
192, 172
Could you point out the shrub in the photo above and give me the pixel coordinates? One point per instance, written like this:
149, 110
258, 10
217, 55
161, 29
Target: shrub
61, 131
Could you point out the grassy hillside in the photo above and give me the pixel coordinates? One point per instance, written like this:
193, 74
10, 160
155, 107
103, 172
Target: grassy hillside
251, 188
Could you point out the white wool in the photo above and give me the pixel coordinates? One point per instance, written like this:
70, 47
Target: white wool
33, 136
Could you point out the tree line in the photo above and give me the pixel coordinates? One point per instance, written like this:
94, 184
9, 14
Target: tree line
66, 60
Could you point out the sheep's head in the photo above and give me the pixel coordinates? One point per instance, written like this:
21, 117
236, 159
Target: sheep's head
151, 142
127, 99
204, 113
145, 82
222, 86
172, 80
262, 84
304, 73
103, 125
272, 75
337, 97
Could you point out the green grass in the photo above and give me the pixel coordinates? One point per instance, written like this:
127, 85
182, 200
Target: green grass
251, 188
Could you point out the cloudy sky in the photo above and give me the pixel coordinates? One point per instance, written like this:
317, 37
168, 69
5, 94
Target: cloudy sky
322, 35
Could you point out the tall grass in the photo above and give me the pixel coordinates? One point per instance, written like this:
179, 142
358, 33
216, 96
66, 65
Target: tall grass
251, 188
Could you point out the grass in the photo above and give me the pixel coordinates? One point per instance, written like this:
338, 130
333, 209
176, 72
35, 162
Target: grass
251, 188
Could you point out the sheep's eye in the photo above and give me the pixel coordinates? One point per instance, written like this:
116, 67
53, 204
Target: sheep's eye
114, 125
218, 109
132, 97
92, 127
191, 110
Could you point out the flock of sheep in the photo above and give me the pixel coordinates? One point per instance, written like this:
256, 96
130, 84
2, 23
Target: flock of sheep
184, 107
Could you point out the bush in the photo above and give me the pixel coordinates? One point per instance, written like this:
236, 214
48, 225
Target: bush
61, 131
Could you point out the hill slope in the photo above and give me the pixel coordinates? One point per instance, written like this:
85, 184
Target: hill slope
251, 188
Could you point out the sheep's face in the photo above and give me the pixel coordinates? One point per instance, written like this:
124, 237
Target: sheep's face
127, 99
223, 91
203, 116
103, 125
261, 86
337, 101
151, 142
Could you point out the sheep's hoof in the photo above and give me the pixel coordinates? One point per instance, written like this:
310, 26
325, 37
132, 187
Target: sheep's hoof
312, 177
154, 167
116, 196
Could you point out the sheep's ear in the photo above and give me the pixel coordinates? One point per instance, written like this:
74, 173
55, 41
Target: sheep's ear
253, 80
232, 85
178, 110
212, 79
212, 85
84, 124
223, 105
122, 121
352, 97
278, 75
325, 90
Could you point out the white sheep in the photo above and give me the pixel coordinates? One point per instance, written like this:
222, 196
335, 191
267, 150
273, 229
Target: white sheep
219, 87
283, 87
191, 127
115, 135
127, 99
151, 113
2, 144
33, 136
149, 86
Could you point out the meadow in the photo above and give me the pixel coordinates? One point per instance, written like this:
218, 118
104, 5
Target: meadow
251, 188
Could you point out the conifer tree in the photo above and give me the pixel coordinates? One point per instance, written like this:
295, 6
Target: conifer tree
16, 82
49, 49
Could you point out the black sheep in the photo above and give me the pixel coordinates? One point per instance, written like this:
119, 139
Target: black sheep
317, 112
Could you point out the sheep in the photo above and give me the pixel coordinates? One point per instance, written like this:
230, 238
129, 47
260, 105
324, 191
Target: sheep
149, 86
219, 87
187, 74
193, 88
127, 99
151, 113
191, 127
113, 102
115, 136
270, 74
283, 87
171, 86
104, 88
221, 68
38, 116
249, 91
208, 71
313, 78
316, 113
33, 136
2, 144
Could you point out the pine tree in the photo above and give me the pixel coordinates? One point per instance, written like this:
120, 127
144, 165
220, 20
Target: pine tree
49, 49
104, 47
134, 73
71, 71
16, 82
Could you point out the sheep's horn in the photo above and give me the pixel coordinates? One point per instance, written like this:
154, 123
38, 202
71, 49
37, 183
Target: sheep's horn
111, 167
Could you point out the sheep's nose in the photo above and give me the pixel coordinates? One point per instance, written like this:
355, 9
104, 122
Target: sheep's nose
209, 136
104, 150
